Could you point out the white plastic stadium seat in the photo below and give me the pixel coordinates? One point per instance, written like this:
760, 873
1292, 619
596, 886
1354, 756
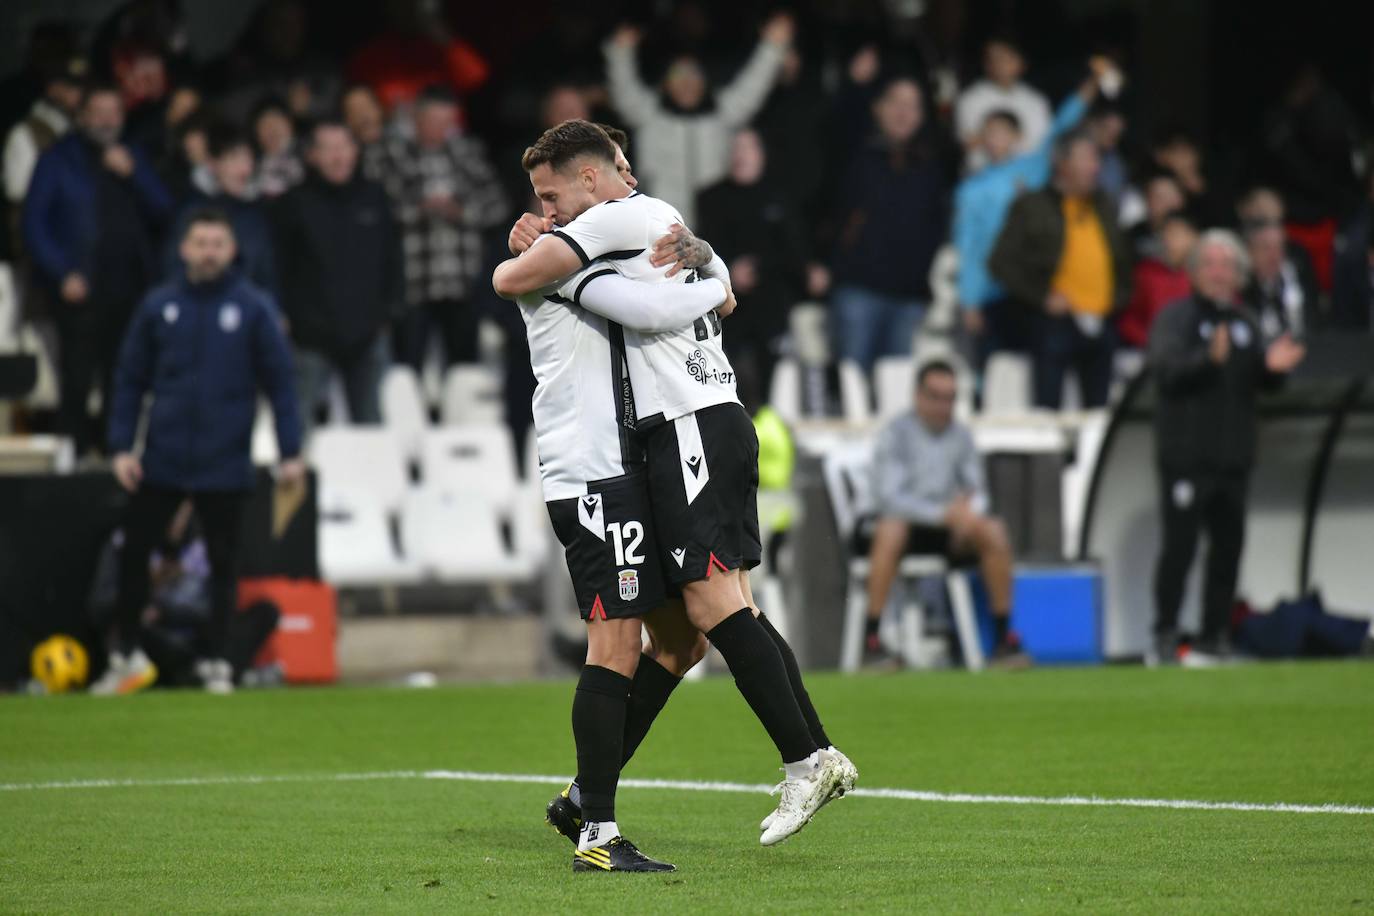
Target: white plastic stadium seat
1007, 384
809, 325
855, 399
477, 459
848, 473
784, 390
472, 394
362, 486
9, 311
403, 409
894, 384
470, 483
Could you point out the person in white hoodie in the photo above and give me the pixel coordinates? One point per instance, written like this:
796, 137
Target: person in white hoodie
684, 134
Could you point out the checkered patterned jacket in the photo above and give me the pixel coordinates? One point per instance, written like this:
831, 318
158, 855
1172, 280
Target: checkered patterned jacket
442, 257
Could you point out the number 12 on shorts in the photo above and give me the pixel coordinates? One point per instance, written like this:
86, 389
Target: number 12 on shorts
627, 539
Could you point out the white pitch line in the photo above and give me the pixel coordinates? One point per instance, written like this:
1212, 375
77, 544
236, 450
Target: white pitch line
958, 798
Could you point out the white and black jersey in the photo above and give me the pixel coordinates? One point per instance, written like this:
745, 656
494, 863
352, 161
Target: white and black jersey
674, 372
583, 406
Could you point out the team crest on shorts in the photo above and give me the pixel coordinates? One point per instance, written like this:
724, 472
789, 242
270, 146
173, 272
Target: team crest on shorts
629, 585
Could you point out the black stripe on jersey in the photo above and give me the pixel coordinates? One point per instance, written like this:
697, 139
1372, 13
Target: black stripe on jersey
621, 255
626, 197
577, 296
624, 394
572, 243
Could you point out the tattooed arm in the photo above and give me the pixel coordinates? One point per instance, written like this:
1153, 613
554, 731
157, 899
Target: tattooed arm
681, 249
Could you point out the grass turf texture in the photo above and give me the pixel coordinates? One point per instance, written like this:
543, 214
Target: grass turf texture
1273, 733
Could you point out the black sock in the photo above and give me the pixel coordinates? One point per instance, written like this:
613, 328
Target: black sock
871, 628
762, 681
598, 720
794, 677
1001, 626
649, 691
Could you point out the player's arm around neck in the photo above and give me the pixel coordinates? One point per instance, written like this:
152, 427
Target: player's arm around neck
540, 266
650, 307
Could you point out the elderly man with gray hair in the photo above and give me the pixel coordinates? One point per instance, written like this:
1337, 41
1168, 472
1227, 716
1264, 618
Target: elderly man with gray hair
1209, 362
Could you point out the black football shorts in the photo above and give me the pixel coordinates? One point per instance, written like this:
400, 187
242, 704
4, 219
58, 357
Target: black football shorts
612, 552
704, 488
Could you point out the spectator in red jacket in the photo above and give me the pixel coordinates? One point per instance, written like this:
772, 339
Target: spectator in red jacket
418, 50
1158, 280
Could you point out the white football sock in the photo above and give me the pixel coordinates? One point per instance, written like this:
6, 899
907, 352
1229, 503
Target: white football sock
596, 834
800, 769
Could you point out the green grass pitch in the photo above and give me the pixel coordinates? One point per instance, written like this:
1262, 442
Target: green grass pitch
1272, 733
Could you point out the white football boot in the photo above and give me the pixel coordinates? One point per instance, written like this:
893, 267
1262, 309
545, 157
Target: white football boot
803, 797
851, 776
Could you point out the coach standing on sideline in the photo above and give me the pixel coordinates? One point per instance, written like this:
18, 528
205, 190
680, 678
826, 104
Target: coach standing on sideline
1209, 360
202, 346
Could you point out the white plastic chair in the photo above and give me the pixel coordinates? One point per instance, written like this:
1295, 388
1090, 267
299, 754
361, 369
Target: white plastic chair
784, 390
357, 547
362, 487
362, 458
1007, 384
403, 409
471, 494
855, 398
848, 473
894, 384
472, 394
474, 458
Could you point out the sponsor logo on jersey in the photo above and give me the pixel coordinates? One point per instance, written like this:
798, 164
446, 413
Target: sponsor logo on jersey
679, 554
704, 373
694, 465
629, 585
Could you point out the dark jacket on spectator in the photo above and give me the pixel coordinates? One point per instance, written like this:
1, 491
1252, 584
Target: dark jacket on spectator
1296, 282
339, 264
203, 351
756, 221
1205, 420
1028, 250
1352, 289
252, 235
81, 217
892, 217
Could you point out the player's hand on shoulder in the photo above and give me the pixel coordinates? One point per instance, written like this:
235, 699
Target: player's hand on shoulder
729, 305
526, 229
682, 249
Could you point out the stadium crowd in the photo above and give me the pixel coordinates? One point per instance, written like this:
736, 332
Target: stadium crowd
370, 194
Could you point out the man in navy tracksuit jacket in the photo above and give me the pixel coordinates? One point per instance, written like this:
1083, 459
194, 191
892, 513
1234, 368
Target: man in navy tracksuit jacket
203, 346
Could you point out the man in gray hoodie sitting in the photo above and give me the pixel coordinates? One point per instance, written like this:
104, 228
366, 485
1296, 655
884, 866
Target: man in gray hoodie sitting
932, 497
